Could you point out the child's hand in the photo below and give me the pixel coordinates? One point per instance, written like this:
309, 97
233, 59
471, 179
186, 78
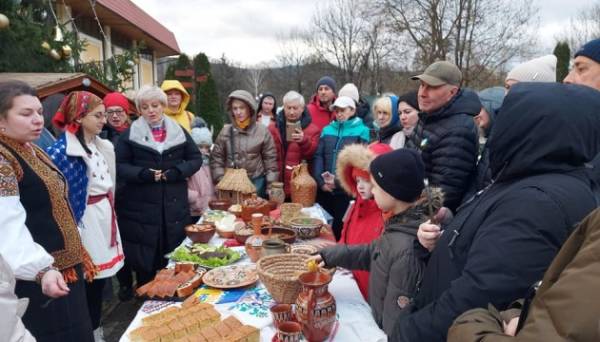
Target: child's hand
428, 235
317, 260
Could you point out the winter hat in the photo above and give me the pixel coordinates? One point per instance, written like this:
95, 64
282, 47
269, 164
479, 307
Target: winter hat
400, 173
350, 90
541, 69
74, 106
491, 99
116, 99
328, 81
590, 50
245, 96
353, 161
201, 136
343, 102
411, 99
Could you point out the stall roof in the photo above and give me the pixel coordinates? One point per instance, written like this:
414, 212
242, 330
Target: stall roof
48, 84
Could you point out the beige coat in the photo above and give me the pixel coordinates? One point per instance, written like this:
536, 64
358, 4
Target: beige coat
565, 307
11, 308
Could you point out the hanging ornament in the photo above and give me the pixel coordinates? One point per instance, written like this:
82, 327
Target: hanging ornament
131, 63
58, 35
54, 54
43, 15
4, 22
45, 45
66, 51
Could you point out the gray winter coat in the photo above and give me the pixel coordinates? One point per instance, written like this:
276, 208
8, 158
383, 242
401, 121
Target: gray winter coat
394, 268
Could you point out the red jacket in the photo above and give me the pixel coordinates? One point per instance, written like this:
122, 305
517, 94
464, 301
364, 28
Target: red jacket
290, 154
320, 116
364, 223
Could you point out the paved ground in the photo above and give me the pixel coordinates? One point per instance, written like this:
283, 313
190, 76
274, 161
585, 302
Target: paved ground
117, 315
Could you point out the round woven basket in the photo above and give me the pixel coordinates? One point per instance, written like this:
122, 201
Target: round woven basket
279, 273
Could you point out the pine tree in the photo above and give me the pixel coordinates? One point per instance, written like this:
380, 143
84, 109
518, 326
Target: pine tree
563, 56
207, 99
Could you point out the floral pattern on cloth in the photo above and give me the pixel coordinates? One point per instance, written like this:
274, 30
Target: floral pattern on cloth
152, 306
9, 185
253, 307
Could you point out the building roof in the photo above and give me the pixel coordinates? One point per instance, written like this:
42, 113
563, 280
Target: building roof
126, 17
47, 84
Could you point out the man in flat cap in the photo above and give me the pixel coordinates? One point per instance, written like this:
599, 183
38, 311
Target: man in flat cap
446, 133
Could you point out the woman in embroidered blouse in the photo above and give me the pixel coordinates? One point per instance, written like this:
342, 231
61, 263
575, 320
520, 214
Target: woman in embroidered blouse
155, 156
88, 164
39, 240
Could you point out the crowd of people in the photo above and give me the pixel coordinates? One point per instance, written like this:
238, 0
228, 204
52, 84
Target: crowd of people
448, 205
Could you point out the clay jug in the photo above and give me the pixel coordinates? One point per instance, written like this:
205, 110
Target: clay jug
315, 306
303, 187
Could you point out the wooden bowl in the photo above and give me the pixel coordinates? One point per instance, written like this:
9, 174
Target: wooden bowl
219, 204
200, 233
285, 234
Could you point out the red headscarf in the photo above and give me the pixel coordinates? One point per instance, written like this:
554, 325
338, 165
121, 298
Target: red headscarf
74, 106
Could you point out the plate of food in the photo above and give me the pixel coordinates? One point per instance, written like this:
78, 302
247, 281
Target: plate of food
212, 216
206, 255
231, 277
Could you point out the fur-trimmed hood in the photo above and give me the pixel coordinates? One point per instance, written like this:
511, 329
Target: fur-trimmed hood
356, 156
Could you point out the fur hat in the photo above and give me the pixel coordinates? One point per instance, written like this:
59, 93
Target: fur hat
354, 161
350, 90
541, 69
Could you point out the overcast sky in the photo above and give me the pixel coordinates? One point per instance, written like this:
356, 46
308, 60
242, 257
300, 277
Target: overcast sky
247, 30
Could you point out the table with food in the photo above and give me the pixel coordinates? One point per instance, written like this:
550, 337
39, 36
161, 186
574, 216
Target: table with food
243, 274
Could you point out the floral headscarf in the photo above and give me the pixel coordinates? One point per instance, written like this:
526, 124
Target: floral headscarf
74, 106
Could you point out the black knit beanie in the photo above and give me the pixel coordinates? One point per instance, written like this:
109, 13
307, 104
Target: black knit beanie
400, 173
590, 50
410, 98
328, 81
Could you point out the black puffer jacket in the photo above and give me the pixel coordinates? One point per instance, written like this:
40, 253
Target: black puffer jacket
152, 215
448, 139
394, 268
502, 241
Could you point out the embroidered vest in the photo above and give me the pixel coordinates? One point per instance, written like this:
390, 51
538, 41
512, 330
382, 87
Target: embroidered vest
43, 194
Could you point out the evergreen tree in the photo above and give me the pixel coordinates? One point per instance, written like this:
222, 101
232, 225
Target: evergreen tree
563, 56
27, 42
207, 98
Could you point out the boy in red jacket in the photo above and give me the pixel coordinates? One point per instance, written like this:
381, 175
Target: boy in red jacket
363, 221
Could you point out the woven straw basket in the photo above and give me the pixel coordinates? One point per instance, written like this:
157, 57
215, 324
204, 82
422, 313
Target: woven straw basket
279, 273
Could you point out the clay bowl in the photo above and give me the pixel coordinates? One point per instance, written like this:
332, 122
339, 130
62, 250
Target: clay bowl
241, 235
306, 227
200, 233
229, 234
286, 234
219, 204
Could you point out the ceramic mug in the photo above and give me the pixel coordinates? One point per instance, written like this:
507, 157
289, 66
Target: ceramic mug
282, 313
289, 331
274, 246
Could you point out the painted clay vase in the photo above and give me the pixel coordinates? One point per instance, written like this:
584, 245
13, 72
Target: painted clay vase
315, 306
303, 187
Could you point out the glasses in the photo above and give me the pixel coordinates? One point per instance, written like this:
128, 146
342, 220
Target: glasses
110, 113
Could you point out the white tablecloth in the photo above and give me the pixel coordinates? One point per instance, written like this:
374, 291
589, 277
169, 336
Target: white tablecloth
355, 322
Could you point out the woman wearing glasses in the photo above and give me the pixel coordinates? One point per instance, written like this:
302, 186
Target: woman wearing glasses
117, 116
88, 164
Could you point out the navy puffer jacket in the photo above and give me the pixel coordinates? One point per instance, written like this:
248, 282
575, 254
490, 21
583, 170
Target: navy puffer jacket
448, 139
